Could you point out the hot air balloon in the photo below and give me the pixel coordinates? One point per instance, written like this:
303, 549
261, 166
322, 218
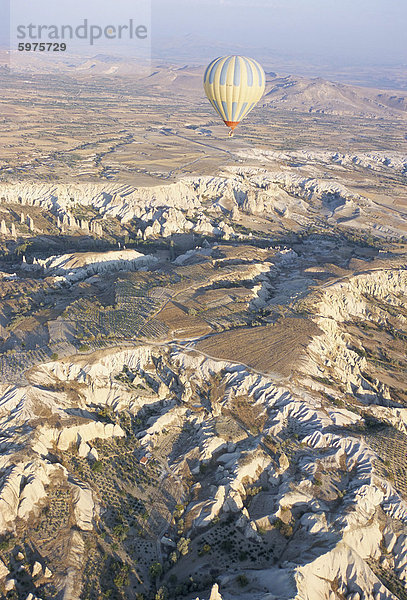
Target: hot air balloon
234, 85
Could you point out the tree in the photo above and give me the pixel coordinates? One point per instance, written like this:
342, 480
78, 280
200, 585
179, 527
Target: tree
97, 466
23, 248
242, 580
227, 545
183, 546
156, 569
120, 532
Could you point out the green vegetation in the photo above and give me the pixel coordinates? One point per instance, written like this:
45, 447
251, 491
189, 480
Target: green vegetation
183, 546
284, 528
97, 466
242, 580
84, 348
155, 570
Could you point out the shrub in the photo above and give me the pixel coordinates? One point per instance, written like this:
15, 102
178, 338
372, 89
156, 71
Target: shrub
242, 580
227, 545
205, 549
183, 546
5, 544
284, 528
156, 569
120, 532
161, 594
122, 577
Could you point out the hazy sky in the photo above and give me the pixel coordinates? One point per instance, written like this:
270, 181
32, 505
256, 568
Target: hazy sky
359, 31
335, 31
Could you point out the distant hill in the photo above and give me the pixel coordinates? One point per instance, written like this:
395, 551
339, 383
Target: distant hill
321, 96
293, 93
286, 92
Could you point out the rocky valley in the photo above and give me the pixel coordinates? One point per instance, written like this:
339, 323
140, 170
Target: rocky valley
203, 389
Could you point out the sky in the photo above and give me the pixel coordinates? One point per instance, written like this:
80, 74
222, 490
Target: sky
342, 32
337, 31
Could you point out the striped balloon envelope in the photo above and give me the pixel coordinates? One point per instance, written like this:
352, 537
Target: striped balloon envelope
234, 85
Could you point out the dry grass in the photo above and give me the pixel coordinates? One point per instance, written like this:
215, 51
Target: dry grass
182, 325
274, 348
253, 418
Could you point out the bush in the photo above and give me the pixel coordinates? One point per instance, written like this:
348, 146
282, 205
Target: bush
284, 528
5, 544
204, 550
242, 580
161, 594
106, 414
122, 577
227, 545
183, 546
155, 570
360, 351
97, 466
120, 532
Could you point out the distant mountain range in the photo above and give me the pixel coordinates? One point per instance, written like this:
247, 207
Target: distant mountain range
288, 92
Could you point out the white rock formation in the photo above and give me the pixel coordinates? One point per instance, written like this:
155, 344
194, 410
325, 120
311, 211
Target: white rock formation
215, 594
36, 569
81, 265
3, 570
340, 302
84, 507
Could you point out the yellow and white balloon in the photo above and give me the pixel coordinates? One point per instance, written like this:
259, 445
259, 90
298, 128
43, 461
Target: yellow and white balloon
234, 85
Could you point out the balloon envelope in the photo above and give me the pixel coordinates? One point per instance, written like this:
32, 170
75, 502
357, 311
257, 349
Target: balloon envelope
234, 85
